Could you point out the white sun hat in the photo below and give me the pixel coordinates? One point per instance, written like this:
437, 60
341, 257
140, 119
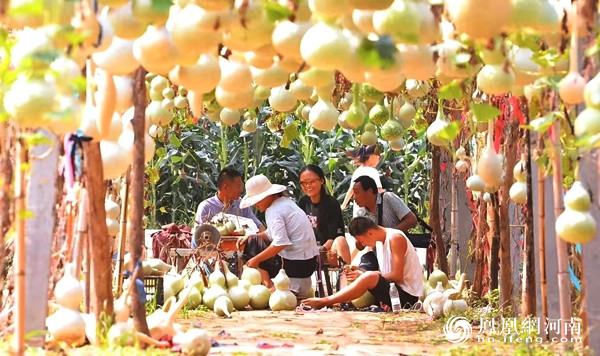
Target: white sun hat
258, 188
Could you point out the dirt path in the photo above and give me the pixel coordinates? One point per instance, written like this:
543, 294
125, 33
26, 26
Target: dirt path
323, 333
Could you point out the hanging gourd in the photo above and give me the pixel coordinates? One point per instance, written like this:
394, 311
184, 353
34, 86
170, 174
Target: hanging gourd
489, 167
576, 224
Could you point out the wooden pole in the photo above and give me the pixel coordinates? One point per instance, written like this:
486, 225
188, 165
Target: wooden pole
482, 228
528, 293
564, 283
122, 232
98, 239
6, 174
495, 245
136, 240
434, 211
19, 257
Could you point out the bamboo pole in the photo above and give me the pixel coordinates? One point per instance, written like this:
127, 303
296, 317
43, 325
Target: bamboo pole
454, 224
81, 230
564, 284
510, 153
136, 240
122, 232
541, 233
19, 257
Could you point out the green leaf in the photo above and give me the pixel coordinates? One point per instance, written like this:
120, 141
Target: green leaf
451, 131
290, 133
36, 139
154, 175
377, 54
451, 91
78, 85
161, 152
541, 124
28, 8
275, 11
161, 6
26, 214
484, 112
174, 141
593, 50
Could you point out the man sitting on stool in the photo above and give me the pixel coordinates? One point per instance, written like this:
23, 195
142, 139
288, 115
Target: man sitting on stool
397, 262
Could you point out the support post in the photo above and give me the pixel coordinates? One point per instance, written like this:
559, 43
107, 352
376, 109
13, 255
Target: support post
98, 240
39, 231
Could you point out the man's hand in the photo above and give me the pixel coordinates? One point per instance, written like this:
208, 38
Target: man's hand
241, 242
352, 273
252, 263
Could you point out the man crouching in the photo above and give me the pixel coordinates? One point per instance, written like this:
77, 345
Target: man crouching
397, 262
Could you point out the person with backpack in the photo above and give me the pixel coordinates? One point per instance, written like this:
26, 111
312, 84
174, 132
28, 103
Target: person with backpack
385, 209
324, 214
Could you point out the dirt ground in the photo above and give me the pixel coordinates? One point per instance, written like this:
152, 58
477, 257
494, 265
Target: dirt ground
323, 333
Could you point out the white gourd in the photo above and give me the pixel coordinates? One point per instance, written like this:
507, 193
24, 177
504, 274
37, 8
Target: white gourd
66, 325
437, 127
193, 342
68, 291
518, 192
211, 294
325, 47
572, 86
251, 275
323, 116
239, 297
223, 306
489, 166
259, 296
282, 99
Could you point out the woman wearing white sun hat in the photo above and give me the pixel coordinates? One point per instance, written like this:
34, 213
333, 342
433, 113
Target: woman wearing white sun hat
289, 235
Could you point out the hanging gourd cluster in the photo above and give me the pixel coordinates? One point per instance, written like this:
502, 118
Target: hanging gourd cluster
222, 59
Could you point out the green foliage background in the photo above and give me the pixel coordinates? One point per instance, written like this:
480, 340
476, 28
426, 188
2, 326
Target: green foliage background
189, 157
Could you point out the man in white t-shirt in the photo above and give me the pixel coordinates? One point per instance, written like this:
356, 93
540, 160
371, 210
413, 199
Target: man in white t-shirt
398, 263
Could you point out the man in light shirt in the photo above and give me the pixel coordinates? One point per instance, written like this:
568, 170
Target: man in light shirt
226, 200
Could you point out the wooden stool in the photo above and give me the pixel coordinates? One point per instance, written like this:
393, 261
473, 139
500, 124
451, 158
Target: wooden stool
323, 272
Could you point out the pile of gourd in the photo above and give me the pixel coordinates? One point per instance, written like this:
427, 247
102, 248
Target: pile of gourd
67, 325
224, 292
444, 297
